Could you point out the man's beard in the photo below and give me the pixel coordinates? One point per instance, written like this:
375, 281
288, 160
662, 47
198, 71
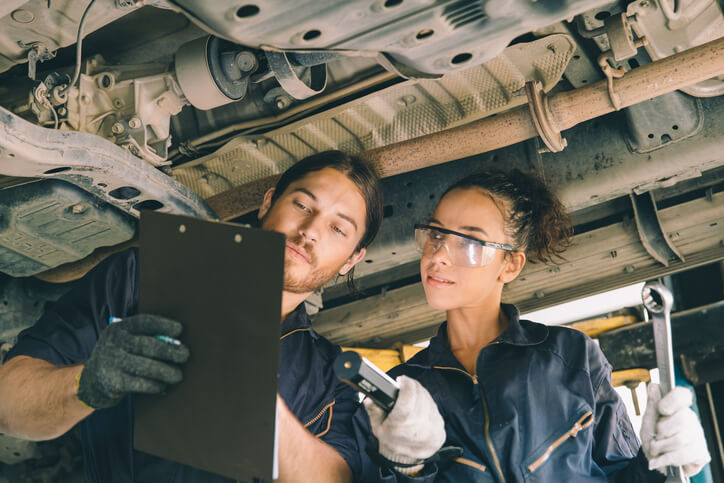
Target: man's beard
312, 280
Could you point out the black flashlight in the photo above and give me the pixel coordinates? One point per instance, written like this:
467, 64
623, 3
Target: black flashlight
367, 378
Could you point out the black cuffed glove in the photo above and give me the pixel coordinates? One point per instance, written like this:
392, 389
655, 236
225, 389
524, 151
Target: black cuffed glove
129, 358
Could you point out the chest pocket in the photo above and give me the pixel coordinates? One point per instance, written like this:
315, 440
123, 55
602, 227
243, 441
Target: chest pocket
552, 456
320, 423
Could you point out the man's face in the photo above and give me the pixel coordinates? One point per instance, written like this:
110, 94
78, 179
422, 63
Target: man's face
323, 217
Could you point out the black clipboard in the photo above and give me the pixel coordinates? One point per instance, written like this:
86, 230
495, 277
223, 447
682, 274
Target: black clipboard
224, 283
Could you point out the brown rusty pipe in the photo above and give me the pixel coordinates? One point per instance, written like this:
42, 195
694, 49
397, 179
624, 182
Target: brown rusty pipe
567, 109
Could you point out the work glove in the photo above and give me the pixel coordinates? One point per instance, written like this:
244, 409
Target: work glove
671, 434
413, 431
128, 357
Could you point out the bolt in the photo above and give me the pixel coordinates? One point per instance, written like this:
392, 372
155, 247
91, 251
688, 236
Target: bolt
62, 111
629, 268
182, 228
117, 103
117, 128
539, 294
134, 123
554, 270
405, 101
237, 238
282, 102
78, 209
246, 61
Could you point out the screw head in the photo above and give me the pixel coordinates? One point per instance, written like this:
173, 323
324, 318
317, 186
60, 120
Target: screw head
134, 123
117, 128
282, 102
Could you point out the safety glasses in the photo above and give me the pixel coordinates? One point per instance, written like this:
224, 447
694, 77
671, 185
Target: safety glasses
464, 250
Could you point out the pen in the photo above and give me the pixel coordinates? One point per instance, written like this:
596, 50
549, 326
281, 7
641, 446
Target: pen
165, 338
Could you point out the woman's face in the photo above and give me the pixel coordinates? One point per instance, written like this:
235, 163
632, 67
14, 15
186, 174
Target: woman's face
473, 212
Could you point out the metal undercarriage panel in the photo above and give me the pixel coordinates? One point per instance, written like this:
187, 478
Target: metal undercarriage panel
395, 114
431, 37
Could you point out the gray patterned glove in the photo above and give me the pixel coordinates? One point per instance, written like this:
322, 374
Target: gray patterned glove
128, 357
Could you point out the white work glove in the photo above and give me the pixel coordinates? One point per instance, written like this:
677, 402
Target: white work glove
671, 434
413, 431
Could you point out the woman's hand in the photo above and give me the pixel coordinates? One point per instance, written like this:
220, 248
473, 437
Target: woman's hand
671, 434
413, 431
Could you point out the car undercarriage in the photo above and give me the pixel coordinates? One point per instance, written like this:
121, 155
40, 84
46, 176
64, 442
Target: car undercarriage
111, 107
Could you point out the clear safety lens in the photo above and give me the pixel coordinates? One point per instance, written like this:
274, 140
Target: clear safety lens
463, 251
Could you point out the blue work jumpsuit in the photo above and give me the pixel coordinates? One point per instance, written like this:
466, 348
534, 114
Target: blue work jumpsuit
539, 408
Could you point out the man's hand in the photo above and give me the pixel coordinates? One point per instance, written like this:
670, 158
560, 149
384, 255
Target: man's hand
671, 434
413, 431
129, 358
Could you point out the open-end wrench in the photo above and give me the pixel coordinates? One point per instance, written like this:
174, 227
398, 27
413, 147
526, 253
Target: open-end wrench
658, 301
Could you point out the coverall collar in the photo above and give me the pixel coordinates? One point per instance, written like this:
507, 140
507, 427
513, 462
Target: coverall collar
518, 333
298, 320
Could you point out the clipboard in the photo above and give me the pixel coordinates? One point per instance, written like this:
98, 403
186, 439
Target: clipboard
223, 282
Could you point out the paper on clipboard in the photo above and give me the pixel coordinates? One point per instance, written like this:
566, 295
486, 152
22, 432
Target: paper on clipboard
223, 282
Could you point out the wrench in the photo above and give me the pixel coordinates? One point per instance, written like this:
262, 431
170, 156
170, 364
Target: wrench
658, 301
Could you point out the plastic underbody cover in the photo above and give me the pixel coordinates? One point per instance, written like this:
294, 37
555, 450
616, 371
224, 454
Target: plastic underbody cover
50, 222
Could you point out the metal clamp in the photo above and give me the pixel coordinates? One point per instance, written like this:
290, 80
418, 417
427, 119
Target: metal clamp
282, 68
612, 73
540, 112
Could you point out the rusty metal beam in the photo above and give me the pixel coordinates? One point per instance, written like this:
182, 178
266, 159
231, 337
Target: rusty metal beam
565, 110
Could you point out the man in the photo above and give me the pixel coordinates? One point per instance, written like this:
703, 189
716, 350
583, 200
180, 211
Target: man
72, 366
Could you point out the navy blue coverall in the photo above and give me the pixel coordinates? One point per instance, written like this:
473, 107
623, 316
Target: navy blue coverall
540, 408
68, 331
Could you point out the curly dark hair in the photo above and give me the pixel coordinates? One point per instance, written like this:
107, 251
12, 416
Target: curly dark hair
535, 219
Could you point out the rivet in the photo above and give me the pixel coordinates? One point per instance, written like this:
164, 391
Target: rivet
237, 238
182, 228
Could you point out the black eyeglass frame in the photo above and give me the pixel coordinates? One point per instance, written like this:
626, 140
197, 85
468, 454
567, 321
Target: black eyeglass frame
499, 246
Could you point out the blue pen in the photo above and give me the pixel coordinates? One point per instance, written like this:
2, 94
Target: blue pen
165, 338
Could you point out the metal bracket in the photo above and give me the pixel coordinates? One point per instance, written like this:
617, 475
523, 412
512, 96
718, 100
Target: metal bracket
540, 112
38, 53
651, 233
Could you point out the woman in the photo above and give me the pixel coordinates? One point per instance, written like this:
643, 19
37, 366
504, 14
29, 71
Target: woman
524, 401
